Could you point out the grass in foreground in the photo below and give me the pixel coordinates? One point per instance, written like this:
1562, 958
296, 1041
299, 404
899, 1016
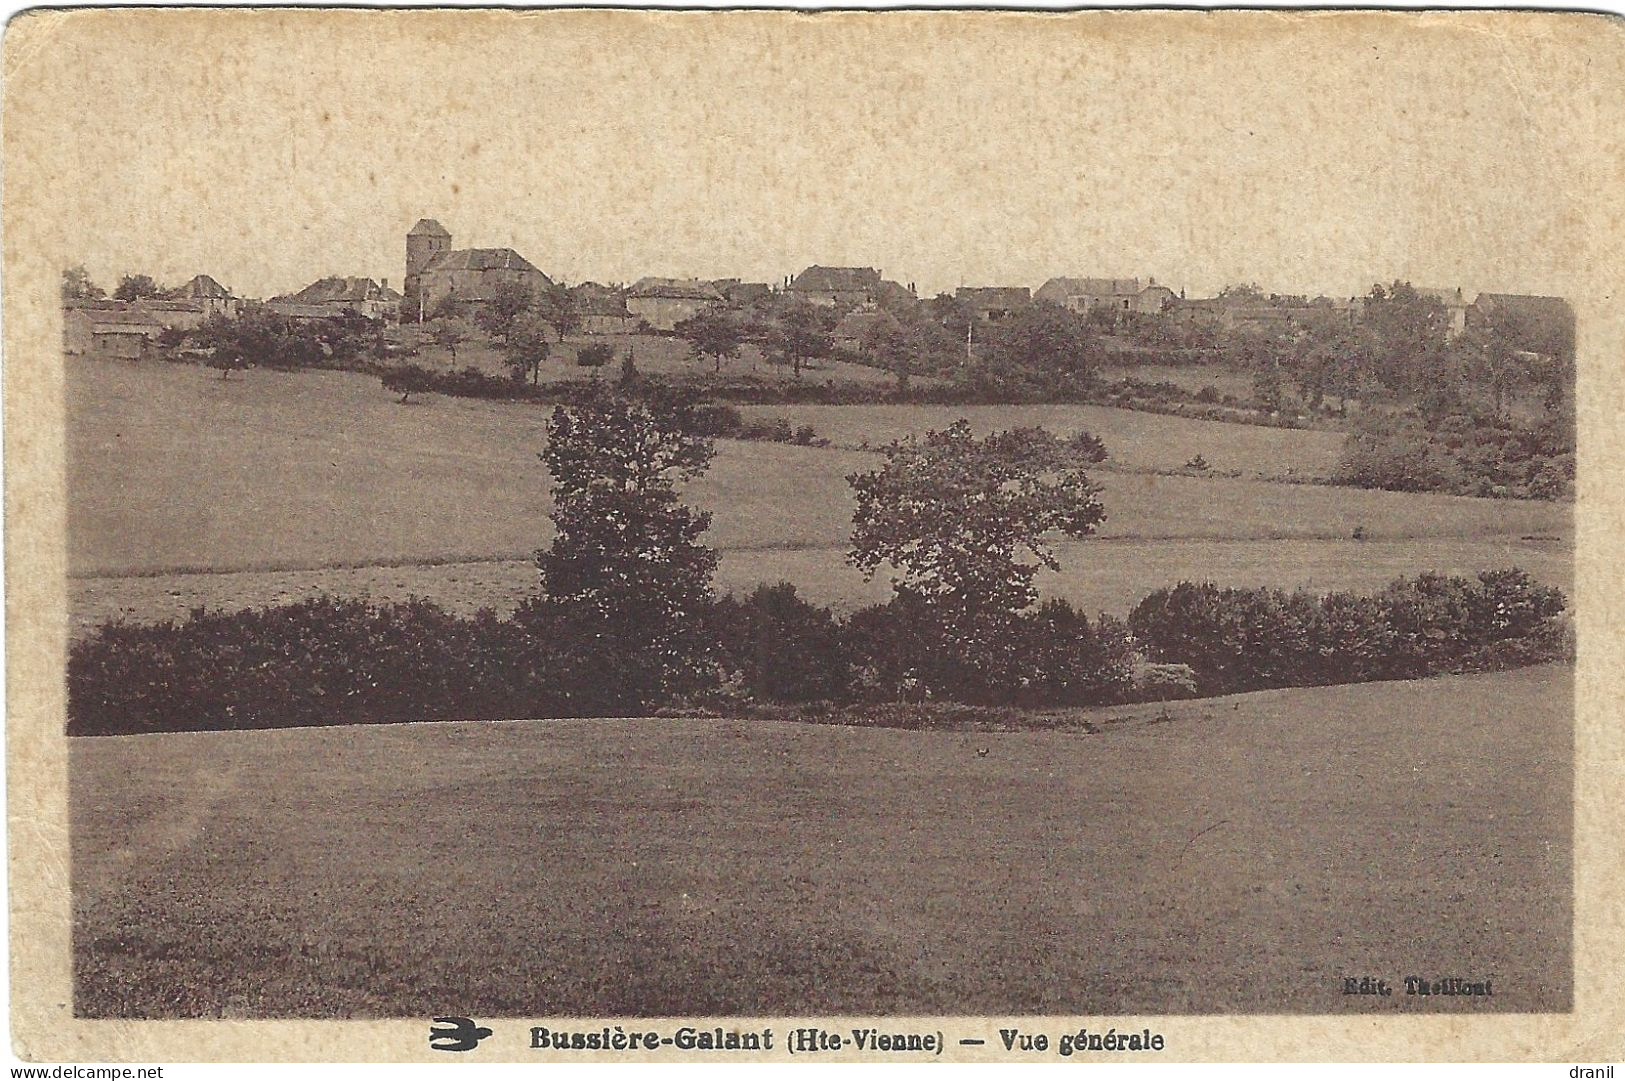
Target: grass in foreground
1244, 856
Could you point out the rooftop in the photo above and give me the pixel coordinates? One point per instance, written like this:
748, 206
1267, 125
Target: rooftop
1000, 296
429, 227
481, 259
675, 288
202, 287
342, 290
837, 279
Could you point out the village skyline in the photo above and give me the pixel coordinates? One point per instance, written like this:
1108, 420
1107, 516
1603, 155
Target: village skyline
830, 149
390, 274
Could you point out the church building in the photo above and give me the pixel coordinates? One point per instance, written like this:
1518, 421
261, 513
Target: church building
435, 270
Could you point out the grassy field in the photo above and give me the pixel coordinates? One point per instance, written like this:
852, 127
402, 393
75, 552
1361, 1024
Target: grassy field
171, 468
1193, 377
1109, 577
1232, 855
1134, 440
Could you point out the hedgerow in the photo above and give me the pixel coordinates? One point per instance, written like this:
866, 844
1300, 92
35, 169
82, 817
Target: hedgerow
329, 661
1251, 639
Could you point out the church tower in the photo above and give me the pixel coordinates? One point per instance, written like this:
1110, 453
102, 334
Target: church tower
427, 239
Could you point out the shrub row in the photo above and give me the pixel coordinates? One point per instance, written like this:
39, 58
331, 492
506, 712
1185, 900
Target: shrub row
1124, 393
327, 661
1251, 639
1477, 456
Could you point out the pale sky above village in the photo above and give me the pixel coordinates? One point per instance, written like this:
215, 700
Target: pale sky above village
1309, 155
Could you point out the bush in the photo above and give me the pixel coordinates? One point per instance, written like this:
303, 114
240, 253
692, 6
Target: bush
1249, 639
1162, 682
313, 663
782, 648
1464, 454
715, 420
595, 356
775, 430
1052, 656
407, 380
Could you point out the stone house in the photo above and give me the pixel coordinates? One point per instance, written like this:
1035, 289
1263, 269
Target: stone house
602, 310
125, 332
665, 302
175, 314
741, 294
1123, 297
1539, 324
995, 303
1455, 308
336, 295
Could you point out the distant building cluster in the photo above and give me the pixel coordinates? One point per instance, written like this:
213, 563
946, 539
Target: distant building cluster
128, 328
439, 279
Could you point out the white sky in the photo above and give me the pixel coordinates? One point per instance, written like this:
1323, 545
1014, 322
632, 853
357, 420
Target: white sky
270, 150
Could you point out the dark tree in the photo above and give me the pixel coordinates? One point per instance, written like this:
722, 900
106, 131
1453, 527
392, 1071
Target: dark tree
407, 380
560, 308
960, 517
714, 335
1408, 330
1487, 359
955, 317
261, 337
449, 333
528, 349
136, 287
1332, 360
508, 301
908, 346
449, 306
630, 376
76, 285
626, 567
1044, 344
799, 337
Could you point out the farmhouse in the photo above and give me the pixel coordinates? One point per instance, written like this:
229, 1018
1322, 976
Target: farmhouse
1120, 296
665, 302
602, 310
434, 271
209, 295
175, 314
121, 331
995, 303
335, 296
836, 286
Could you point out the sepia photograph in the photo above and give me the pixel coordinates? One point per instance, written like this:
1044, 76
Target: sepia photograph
580, 515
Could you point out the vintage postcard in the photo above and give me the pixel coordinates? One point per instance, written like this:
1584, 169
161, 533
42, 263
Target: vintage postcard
749, 536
